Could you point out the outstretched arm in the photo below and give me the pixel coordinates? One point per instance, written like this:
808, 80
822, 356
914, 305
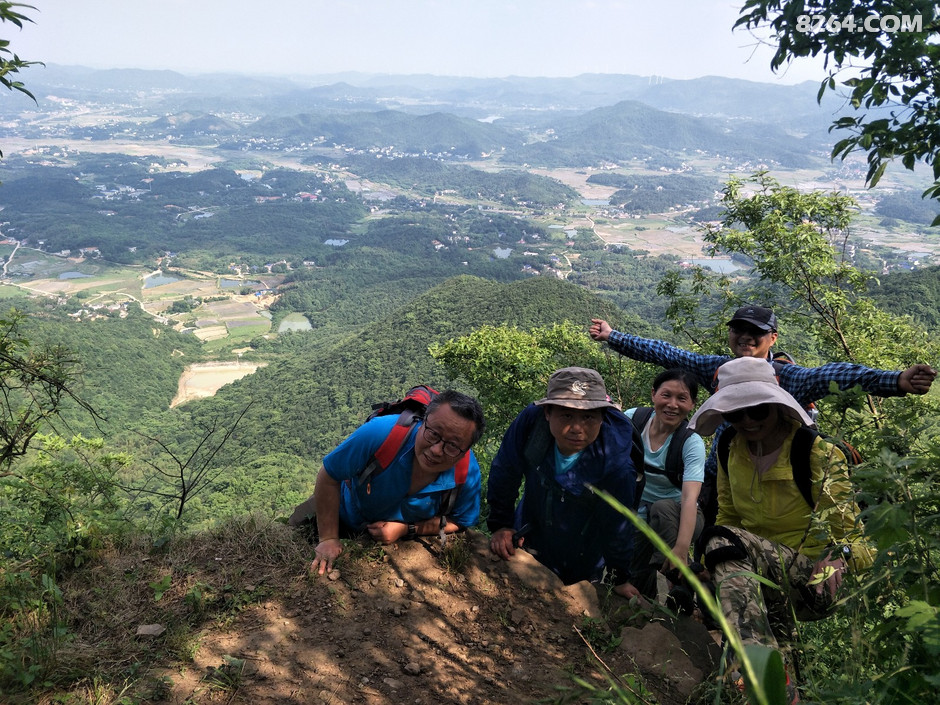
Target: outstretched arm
809, 384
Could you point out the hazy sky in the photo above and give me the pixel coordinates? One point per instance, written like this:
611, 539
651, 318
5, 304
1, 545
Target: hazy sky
672, 38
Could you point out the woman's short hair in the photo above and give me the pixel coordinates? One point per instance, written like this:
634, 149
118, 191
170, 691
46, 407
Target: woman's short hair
679, 375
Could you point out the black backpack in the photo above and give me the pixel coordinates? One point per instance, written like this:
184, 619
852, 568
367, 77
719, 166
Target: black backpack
800, 452
675, 465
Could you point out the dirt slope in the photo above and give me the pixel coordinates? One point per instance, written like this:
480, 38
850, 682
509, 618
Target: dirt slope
411, 623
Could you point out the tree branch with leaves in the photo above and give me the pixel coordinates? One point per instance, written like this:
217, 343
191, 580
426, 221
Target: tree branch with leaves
893, 67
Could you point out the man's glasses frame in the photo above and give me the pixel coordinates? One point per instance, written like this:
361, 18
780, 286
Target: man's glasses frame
449, 448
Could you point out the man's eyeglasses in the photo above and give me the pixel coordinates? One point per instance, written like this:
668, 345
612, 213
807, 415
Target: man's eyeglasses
755, 413
450, 449
748, 330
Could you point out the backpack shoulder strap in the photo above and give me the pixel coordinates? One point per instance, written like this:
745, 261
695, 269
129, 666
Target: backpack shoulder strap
724, 446
386, 452
675, 463
538, 443
641, 417
800, 451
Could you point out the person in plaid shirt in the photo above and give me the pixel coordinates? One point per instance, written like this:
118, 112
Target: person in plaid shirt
752, 332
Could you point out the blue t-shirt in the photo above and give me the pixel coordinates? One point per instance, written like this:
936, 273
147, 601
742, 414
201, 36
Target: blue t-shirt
565, 463
658, 486
385, 497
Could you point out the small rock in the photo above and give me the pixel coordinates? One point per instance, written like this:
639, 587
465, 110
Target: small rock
375, 581
334, 575
396, 610
150, 630
392, 683
367, 631
399, 582
412, 668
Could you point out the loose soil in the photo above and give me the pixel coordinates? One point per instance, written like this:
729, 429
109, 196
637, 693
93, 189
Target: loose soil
245, 623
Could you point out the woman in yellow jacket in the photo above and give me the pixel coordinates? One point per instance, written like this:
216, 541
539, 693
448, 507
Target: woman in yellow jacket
765, 525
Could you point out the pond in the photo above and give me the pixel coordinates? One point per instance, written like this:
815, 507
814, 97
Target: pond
722, 265
334, 242
73, 275
159, 280
236, 283
294, 322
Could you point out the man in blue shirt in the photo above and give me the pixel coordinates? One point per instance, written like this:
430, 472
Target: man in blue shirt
407, 498
572, 438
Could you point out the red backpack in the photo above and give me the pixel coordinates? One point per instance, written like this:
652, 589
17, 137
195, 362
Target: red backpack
411, 409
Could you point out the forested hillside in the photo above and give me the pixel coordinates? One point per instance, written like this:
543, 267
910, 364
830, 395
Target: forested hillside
914, 294
129, 367
305, 403
419, 248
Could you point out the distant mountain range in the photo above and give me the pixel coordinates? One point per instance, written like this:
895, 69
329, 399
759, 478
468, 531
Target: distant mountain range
580, 121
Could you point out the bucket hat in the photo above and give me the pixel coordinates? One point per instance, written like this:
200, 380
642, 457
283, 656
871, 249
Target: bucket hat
742, 383
577, 388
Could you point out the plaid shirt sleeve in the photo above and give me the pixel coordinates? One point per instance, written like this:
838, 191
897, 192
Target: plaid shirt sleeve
665, 355
809, 384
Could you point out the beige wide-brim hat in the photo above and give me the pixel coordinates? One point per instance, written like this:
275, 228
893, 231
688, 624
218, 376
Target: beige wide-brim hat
744, 382
577, 388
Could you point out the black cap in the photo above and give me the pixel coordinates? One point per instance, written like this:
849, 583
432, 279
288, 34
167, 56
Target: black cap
758, 316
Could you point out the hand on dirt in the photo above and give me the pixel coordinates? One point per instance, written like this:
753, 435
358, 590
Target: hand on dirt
600, 329
628, 591
387, 532
501, 543
325, 553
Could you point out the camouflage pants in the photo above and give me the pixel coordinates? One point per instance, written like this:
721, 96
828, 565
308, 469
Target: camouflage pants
761, 613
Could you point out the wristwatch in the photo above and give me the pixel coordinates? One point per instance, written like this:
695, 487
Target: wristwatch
843, 551
412, 532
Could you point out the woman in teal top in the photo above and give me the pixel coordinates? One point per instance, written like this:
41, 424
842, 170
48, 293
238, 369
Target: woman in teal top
669, 503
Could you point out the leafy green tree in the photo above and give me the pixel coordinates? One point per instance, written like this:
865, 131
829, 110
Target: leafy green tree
509, 367
34, 384
895, 71
10, 63
797, 244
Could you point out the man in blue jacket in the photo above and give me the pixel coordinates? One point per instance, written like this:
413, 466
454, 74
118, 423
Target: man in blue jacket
572, 438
